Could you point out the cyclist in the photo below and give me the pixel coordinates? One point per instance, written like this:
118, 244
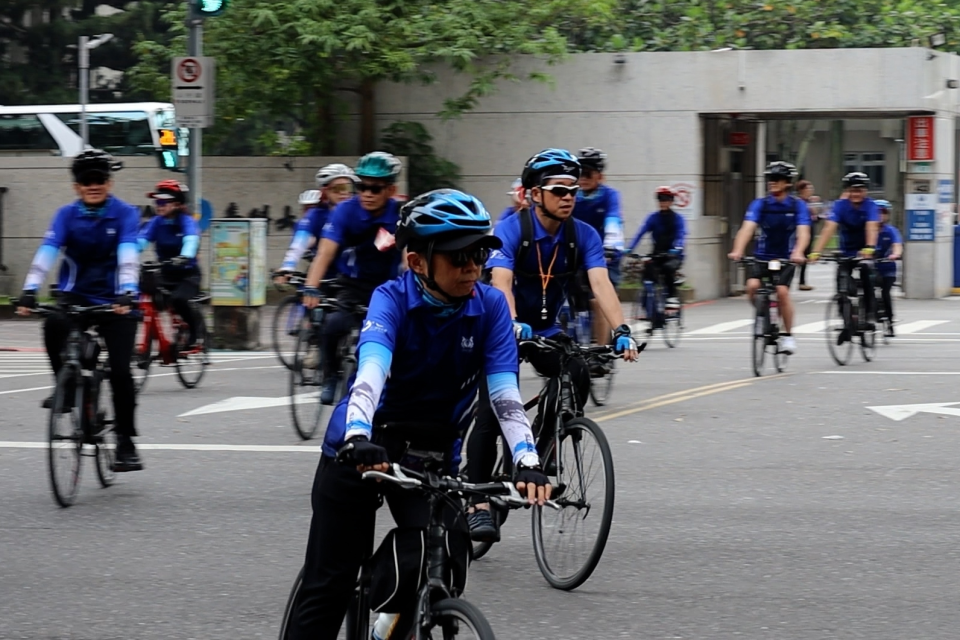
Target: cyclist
669, 231
889, 246
517, 200
784, 225
98, 234
598, 204
336, 183
536, 281
858, 219
426, 336
359, 236
177, 238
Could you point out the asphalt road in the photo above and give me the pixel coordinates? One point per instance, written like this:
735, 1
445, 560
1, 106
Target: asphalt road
811, 505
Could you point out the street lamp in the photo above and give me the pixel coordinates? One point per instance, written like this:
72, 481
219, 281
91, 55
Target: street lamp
86, 44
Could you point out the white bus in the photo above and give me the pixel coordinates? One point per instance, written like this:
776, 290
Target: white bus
124, 129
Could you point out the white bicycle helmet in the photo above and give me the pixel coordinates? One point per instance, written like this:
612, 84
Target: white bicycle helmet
331, 172
310, 196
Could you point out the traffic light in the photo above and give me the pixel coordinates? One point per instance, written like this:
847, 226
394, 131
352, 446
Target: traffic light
209, 8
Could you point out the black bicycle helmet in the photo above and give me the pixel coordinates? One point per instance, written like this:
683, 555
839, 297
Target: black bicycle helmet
780, 170
592, 158
93, 161
856, 179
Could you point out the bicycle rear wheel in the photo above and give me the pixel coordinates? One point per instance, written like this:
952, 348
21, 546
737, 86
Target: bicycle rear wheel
868, 340
452, 618
287, 322
601, 386
66, 436
569, 542
838, 312
306, 380
192, 360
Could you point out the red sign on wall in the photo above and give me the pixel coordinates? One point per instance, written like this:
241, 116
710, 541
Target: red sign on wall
739, 139
920, 138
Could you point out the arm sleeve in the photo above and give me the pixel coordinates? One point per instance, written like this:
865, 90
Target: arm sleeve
128, 253
299, 244
590, 247
680, 241
375, 354
613, 223
508, 407
191, 238
47, 254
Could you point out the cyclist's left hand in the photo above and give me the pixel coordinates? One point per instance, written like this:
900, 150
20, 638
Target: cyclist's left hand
675, 251
894, 256
533, 483
797, 257
121, 306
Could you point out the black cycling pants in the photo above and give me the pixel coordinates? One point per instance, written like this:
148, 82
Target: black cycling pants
341, 538
119, 334
338, 325
181, 292
886, 284
845, 276
667, 266
482, 445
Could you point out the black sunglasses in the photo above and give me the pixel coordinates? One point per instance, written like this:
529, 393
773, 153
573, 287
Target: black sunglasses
86, 181
561, 190
664, 198
461, 258
375, 189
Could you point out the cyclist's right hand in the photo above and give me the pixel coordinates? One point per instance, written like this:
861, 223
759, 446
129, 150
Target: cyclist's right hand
366, 455
736, 256
311, 297
27, 302
522, 331
532, 482
813, 257
281, 276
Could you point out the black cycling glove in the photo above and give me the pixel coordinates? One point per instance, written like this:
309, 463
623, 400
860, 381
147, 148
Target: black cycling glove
124, 301
360, 451
28, 299
531, 475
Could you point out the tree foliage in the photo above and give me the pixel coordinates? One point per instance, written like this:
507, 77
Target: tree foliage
427, 170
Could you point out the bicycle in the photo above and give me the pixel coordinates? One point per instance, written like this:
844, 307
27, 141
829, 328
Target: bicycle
651, 300
442, 571
883, 315
563, 436
766, 326
306, 374
579, 326
845, 313
81, 377
154, 344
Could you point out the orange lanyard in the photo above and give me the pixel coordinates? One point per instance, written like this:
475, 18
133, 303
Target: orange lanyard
545, 277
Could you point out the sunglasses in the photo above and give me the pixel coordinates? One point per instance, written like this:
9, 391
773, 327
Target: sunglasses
561, 191
375, 189
665, 198
162, 203
478, 256
345, 188
87, 181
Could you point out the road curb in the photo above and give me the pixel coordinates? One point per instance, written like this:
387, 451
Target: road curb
24, 349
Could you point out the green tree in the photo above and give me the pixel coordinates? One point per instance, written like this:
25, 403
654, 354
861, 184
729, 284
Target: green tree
427, 170
298, 62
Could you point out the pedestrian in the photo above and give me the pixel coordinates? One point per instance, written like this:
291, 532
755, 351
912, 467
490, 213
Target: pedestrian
805, 191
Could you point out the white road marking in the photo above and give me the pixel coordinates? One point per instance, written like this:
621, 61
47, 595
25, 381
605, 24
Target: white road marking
811, 327
920, 325
244, 448
722, 327
889, 373
245, 403
899, 412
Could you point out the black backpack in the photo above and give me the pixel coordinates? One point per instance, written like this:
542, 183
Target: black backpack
569, 230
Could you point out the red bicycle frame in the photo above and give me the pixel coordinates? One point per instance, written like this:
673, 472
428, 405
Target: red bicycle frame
153, 328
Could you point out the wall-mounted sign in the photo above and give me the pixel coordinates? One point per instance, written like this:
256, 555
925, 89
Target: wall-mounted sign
920, 138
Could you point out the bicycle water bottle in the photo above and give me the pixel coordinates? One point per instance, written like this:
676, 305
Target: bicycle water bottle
583, 327
384, 626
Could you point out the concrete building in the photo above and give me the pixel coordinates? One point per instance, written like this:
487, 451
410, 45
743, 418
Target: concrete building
705, 122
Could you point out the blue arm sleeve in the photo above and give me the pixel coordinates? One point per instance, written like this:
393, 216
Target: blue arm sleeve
49, 249
613, 223
128, 253
373, 365
189, 247
508, 407
299, 244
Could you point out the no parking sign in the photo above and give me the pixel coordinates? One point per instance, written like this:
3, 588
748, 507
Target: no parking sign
684, 197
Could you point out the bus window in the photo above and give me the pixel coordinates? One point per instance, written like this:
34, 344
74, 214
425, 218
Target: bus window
25, 132
122, 133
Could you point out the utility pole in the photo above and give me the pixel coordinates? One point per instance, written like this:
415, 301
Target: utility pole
194, 48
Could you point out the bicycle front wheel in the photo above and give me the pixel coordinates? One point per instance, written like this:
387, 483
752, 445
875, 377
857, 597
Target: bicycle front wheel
192, 360
66, 436
601, 386
306, 380
839, 340
868, 342
105, 445
287, 322
569, 542
455, 618
758, 345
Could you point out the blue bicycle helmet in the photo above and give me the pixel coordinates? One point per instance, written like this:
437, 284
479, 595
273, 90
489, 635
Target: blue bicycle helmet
550, 163
447, 218
884, 204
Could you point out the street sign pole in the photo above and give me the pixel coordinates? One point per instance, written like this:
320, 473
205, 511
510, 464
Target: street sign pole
195, 48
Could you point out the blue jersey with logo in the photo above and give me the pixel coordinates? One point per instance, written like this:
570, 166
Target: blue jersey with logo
356, 230
527, 289
100, 252
170, 237
599, 209
852, 221
437, 361
889, 235
778, 222
313, 221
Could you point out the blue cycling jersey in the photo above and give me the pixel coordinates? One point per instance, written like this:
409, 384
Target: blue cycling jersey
359, 233
174, 236
889, 235
668, 228
601, 210
434, 362
778, 221
506, 213
852, 220
527, 289
310, 227
100, 252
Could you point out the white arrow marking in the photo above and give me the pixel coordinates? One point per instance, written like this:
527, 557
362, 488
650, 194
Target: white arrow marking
898, 412
245, 403
920, 325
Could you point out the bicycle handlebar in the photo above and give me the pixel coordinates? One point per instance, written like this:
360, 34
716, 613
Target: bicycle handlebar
603, 352
410, 479
70, 310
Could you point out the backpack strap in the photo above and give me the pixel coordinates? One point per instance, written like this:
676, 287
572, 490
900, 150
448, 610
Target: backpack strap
526, 237
570, 238
569, 230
